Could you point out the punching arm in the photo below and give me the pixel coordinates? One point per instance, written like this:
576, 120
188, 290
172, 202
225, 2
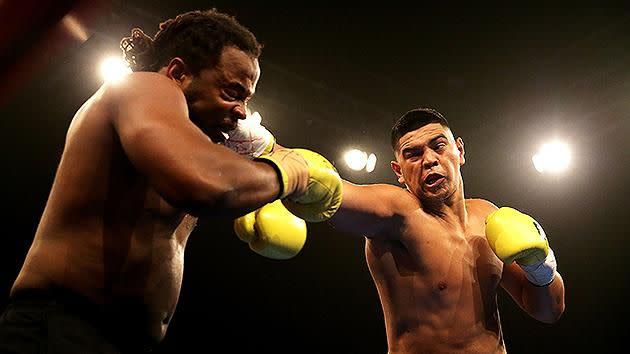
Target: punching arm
530, 268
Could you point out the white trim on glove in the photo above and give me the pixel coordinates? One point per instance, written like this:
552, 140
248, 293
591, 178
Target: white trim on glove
542, 274
249, 138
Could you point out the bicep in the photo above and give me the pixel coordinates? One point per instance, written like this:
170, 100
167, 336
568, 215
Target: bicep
159, 139
366, 210
180, 161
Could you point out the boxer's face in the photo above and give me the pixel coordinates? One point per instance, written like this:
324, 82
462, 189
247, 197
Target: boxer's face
217, 97
428, 162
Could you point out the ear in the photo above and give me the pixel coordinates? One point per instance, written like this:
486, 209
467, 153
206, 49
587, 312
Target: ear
177, 70
396, 168
460, 147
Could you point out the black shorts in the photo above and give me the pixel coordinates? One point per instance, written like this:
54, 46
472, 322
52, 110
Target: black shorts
59, 322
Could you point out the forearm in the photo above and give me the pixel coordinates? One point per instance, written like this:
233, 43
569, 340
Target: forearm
251, 188
529, 272
544, 303
239, 187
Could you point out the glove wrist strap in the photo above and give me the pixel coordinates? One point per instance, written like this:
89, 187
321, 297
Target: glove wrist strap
283, 178
541, 274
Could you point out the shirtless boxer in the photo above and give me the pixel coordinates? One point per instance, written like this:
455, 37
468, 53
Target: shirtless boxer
142, 161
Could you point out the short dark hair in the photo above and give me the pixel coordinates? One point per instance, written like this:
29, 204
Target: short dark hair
198, 37
414, 119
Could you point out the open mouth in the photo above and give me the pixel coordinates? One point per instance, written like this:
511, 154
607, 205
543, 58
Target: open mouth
433, 179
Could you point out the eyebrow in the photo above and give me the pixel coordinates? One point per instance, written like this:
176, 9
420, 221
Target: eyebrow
238, 87
235, 84
437, 137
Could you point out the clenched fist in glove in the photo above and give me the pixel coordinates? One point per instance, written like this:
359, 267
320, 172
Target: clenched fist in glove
272, 231
515, 236
310, 184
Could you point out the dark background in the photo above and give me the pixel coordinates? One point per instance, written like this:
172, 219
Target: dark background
336, 76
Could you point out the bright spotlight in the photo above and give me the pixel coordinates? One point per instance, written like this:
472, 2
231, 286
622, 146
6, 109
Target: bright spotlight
371, 163
552, 157
114, 68
355, 159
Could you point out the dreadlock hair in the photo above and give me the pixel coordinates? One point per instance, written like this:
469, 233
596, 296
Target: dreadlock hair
198, 37
414, 119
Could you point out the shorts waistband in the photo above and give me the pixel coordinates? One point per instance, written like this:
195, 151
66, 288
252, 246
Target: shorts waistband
56, 296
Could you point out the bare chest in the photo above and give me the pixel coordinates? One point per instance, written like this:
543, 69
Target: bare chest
452, 258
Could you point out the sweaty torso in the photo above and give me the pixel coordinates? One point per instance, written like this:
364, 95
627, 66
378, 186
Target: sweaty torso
105, 234
437, 283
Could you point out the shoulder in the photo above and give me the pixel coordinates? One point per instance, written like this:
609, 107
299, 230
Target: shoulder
481, 207
143, 86
400, 201
390, 189
144, 97
374, 210
383, 192
379, 199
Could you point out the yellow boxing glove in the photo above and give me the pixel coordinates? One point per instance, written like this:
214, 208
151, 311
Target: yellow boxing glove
321, 197
272, 231
310, 182
514, 236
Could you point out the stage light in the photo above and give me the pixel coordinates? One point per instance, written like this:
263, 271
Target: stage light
553, 157
355, 159
358, 160
371, 163
114, 68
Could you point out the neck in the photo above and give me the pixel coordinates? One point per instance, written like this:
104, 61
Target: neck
452, 208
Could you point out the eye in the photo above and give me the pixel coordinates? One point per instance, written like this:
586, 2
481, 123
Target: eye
411, 154
230, 94
440, 145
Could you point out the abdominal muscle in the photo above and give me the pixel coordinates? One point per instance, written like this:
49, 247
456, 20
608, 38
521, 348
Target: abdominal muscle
135, 273
443, 304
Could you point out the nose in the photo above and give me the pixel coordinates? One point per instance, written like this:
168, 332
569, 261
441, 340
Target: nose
239, 111
430, 160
